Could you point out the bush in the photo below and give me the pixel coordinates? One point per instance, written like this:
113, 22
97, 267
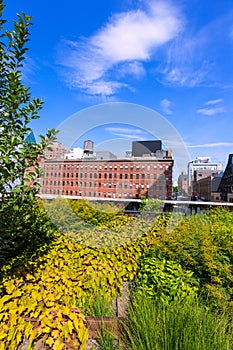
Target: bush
164, 279
202, 244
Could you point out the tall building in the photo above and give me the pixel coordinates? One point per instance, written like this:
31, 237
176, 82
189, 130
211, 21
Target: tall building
199, 168
132, 177
226, 184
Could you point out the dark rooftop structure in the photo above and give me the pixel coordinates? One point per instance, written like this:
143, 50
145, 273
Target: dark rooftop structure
141, 148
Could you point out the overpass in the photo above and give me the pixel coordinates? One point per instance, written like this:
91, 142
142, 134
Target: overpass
168, 205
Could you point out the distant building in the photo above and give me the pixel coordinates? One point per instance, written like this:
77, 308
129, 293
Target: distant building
55, 151
226, 184
132, 177
183, 184
199, 168
207, 187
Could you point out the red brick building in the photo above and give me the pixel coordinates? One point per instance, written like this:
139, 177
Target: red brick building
128, 178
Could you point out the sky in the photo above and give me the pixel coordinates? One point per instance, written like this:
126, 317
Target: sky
171, 57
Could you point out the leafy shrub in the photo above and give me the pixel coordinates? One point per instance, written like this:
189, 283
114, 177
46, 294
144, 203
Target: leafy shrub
164, 279
203, 244
24, 228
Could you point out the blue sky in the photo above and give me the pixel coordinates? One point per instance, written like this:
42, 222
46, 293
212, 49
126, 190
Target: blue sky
174, 57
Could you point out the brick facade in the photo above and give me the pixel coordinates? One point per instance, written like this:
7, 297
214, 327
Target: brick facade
122, 178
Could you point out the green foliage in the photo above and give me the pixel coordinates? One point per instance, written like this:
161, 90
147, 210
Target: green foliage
24, 228
44, 294
106, 340
150, 207
89, 226
204, 245
164, 279
179, 325
18, 109
99, 305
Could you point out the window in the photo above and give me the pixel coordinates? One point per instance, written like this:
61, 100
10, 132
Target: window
110, 176
105, 175
99, 175
131, 176
143, 176
121, 176
148, 167
137, 176
76, 175
148, 176
126, 176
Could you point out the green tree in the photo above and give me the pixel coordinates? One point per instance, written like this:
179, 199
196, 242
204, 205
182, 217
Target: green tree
23, 225
17, 109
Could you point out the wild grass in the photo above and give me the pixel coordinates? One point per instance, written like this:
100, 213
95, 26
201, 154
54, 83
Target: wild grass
185, 325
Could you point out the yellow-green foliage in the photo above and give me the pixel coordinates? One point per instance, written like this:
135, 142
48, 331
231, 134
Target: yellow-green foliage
42, 298
164, 279
204, 245
39, 303
95, 226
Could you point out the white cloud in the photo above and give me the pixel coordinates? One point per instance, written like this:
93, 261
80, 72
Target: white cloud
95, 65
127, 132
211, 111
186, 64
215, 144
213, 102
134, 35
114, 129
165, 105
